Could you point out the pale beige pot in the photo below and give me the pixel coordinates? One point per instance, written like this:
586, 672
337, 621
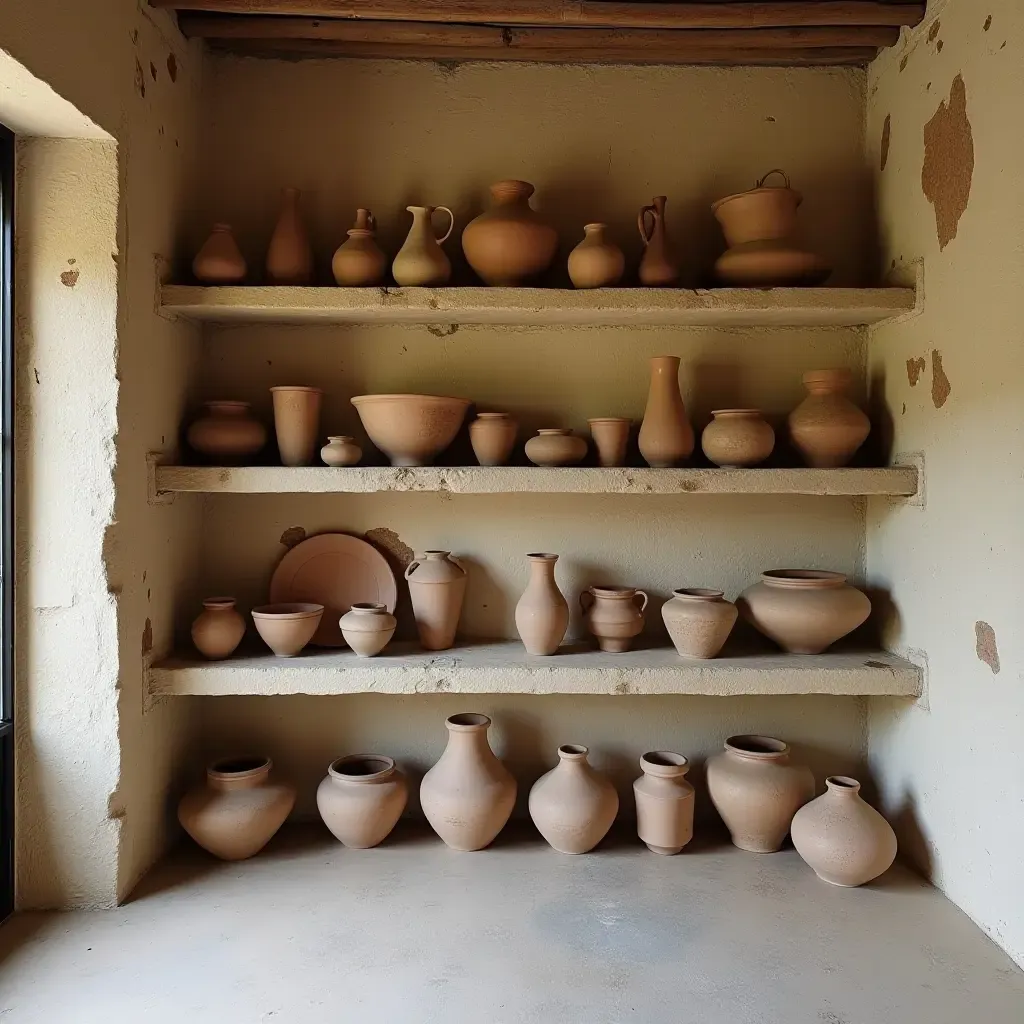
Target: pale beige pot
737, 437
573, 806
664, 802
666, 437
219, 628
421, 262
493, 436
297, 423
757, 791
220, 261
238, 810
845, 840
340, 451
698, 621
290, 256
411, 430
367, 628
228, 431
361, 799
596, 262
613, 616
437, 586
287, 628
555, 446
469, 794
804, 611
510, 244
826, 427
658, 266
611, 438
359, 261
542, 614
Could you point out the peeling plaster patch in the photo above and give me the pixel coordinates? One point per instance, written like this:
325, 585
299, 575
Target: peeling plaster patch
172, 67
623, 688
903, 63
938, 46
442, 332
147, 638
140, 79
904, 408
940, 382
69, 278
152, 70
770, 118
886, 137
934, 31
948, 166
988, 23
390, 542
35, 370
985, 645
293, 535
915, 367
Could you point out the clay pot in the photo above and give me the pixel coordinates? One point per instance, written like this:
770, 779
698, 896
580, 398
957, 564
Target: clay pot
611, 438
555, 447
845, 840
573, 806
666, 437
219, 628
359, 262
437, 586
542, 615
290, 256
341, 450
469, 794
804, 611
612, 616
737, 437
411, 430
219, 261
510, 244
421, 262
236, 813
698, 621
287, 628
658, 267
367, 628
596, 262
826, 427
493, 436
361, 798
297, 423
664, 802
757, 791
228, 431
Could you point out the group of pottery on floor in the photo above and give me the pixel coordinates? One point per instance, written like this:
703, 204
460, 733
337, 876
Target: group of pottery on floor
512, 244
468, 797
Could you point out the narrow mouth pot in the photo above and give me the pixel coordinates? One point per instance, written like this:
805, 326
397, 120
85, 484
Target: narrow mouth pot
339, 438
664, 763
594, 226
573, 752
287, 611
512, 187
361, 767
736, 412
542, 556
365, 606
469, 721
610, 419
699, 594
298, 387
358, 400
232, 768
814, 579
842, 784
613, 593
219, 603
830, 375
435, 555
764, 747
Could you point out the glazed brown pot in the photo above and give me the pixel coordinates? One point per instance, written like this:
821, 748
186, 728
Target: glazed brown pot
826, 427
612, 616
219, 261
555, 447
542, 614
228, 431
359, 261
698, 621
666, 437
296, 423
437, 586
361, 799
493, 436
219, 628
287, 628
664, 802
289, 255
596, 262
737, 437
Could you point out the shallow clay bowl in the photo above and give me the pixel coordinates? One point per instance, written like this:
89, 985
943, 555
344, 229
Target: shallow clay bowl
287, 628
411, 430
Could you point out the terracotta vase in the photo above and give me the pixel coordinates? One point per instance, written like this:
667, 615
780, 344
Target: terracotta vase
287, 628
290, 256
737, 437
698, 621
421, 262
510, 244
219, 628
361, 798
367, 628
826, 427
573, 806
666, 437
297, 423
359, 261
228, 431
757, 791
555, 447
341, 450
437, 586
469, 794
542, 614
612, 616
238, 810
658, 267
804, 611
493, 436
664, 802
219, 261
596, 262
611, 439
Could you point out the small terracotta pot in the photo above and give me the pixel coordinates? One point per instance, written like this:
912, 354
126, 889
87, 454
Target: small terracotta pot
611, 438
341, 450
666, 437
287, 628
596, 262
421, 262
359, 262
826, 427
437, 586
228, 431
664, 802
411, 430
542, 614
219, 261
219, 629
290, 256
493, 436
612, 616
297, 423
555, 447
737, 438
367, 628
658, 266
361, 799
698, 621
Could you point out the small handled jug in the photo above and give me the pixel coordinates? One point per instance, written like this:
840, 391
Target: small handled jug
421, 262
612, 615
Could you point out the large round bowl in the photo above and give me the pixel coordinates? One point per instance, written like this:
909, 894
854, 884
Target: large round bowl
411, 430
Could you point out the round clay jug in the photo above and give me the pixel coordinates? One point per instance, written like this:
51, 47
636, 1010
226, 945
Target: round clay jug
611, 439
437, 586
341, 450
658, 267
664, 802
737, 438
228, 431
289, 255
542, 614
361, 799
757, 791
698, 621
555, 447
421, 262
510, 244
612, 616
804, 611
296, 423
359, 262
596, 262
493, 436
826, 427
666, 437
367, 628
469, 794
845, 840
573, 806
219, 628
238, 810
219, 261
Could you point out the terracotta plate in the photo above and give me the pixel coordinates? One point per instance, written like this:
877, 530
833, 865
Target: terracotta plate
335, 570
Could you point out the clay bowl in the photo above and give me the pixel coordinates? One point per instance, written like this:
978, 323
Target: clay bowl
287, 628
411, 430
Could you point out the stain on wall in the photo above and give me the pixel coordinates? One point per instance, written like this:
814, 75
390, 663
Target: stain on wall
915, 367
940, 382
886, 138
140, 79
948, 167
988, 23
172, 67
292, 536
985, 645
69, 278
389, 541
934, 30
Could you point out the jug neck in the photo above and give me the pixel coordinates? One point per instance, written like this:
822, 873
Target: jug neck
758, 748
238, 773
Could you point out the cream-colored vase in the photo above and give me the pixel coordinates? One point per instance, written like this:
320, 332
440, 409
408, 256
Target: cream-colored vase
228, 431
757, 791
737, 437
238, 810
361, 798
555, 446
573, 806
826, 427
340, 451
698, 621
421, 262
611, 438
367, 628
469, 794
219, 628
437, 586
493, 436
220, 261
359, 261
664, 802
290, 256
542, 614
612, 616
658, 267
297, 423
666, 437
845, 840
596, 262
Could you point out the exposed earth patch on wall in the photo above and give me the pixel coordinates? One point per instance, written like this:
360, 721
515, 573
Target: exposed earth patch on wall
915, 367
985, 645
940, 382
886, 137
292, 536
948, 167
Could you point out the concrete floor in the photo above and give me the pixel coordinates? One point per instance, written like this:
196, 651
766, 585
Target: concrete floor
412, 933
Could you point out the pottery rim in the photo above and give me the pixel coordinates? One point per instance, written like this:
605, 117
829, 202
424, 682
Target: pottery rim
664, 764
758, 748
342, 438
297, 387
492, 416
362, 768
288, 610
370, 608
613, 593
609, 419
807, 579
367, 399
219, 603
759, 190
542, 556
512, 188
573, 752
239, 769
837, 377
699, 594
737, 412
559, 431
843, 784
227, 405
467, 721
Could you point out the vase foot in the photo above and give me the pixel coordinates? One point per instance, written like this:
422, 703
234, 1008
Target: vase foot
664, 851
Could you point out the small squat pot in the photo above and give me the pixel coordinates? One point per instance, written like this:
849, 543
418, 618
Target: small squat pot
219, 628
361, 799
664, 802
556, 447
493, 436
341, 450
287, 628
596, 262
367, 628
736, 438
228, 432
219, 261
611, 438
359, 261
698, 621
297, 423
612, 616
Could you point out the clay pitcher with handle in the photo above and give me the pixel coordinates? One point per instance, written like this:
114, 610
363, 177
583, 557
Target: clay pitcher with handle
658, 268
437, 586
421, 262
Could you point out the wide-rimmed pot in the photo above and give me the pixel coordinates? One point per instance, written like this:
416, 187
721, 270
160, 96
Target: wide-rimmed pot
699, 621
361, 799
411, 430
826, 427
286, 628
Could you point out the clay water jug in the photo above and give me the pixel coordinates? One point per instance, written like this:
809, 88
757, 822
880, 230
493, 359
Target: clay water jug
361, 799
613, 616
359, 262
469, 794
290, 256
542, 614
219, 261
664, 802
493, 436
698, 621
437, 586
421, 262
340, 450
367, 628
219, 628
296, 422
596, 262
826, 427
658, 267
737, 437
573, 806
228, 432
611, 439
666, 437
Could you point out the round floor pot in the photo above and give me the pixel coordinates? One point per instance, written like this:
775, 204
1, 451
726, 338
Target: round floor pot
287, 628
736, 438
361, 799
826, 427
236, 812
367, 628
219, 628
437, 586
664, 802
698, 621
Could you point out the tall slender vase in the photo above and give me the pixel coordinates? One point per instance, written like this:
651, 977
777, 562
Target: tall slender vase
658, 268
290, 256
542, 614
297, 423
421, 262
666, 437
437, 586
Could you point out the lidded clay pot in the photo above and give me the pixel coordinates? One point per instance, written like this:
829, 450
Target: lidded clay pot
826, 427
757, 791
542, 614
219, 261
361, 799
437, 586
698, 621
227, 431
341, 450
359, 262
664, 802
367, 628
290, 256
287, 628
737, 438
219, 628
555, 447
421, 262
666, 437
296, 423
611, 438
612, 616
493, 436
658, 267
596, 262
804, 610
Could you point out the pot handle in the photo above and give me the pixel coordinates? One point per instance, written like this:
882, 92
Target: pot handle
584, 607
641, 223
641, 593
452, 558
777, 170
413, 566
451, 225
